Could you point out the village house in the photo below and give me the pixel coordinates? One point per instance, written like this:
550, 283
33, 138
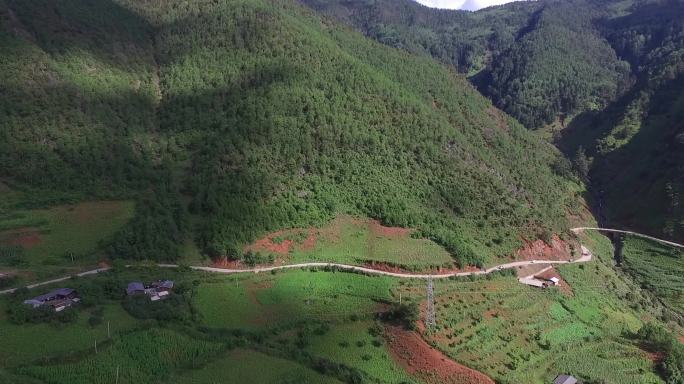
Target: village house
565, 379
135, 288
59, 299
156, 290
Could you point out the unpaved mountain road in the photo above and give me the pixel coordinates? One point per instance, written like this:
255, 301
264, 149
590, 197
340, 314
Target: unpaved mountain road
672, 243
586, 256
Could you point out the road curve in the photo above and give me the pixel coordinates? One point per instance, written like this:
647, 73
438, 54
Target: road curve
371, 271
672, 243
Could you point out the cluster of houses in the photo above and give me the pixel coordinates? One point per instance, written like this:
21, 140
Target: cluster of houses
63, 298
157, 290
58, 300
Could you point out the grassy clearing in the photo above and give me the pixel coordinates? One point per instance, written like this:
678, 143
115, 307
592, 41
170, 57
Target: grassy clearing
357, 241
658, 268
51, 237
520, 334
245, 366
224, 305
268, 300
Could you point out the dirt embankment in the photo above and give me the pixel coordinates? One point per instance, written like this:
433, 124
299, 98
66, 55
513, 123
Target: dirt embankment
435, 271
540, 250
426, 363
282, 242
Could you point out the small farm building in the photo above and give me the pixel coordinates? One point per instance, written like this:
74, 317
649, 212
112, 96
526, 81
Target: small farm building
565, 379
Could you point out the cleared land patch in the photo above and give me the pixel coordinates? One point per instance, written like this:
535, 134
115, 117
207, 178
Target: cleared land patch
427, 363
53, 236
355, 241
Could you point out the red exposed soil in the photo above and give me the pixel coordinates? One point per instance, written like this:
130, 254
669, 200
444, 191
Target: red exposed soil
395, 269
23, 237
428, 364
378, 229
539, 250
562, 284
310, 242
268, 245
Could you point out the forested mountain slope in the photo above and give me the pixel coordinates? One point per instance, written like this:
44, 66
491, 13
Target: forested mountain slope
638, 141
538, 61
610, 70
227, 119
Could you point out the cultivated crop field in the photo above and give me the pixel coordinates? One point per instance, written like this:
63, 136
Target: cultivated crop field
657, 267
140, 357
521, 334
322, 326
294, 322
247, 366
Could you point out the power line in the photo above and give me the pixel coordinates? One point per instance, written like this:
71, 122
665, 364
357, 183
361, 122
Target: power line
430, 320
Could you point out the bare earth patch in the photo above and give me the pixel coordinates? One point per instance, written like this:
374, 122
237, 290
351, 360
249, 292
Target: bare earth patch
269, 244
26, 237
436, 271
562, 284
426, 363
539, 250
378, 229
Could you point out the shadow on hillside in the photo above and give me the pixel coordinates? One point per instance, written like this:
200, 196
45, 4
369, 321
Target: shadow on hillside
633, 176
114, 34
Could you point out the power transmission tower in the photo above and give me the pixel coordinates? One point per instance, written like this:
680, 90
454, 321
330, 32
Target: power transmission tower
430, 320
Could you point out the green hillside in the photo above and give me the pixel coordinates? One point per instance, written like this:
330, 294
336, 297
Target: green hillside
225, 120
539, 61
637, 141
606, 73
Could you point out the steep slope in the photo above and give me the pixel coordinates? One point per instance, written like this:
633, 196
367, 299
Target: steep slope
610, 71
637, 142
538, 61
264, 116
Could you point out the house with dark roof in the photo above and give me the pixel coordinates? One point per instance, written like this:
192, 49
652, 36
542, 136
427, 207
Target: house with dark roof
163, 285
565, 379
59, 299
135, 288
156, 290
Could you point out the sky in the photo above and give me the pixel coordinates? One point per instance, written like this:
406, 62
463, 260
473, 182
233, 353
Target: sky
470, 5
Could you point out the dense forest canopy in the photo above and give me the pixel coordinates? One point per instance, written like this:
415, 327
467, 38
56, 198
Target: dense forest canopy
608, 70
228, 119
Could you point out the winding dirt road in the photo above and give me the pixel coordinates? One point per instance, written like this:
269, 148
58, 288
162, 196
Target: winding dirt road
586, 256
666, 242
